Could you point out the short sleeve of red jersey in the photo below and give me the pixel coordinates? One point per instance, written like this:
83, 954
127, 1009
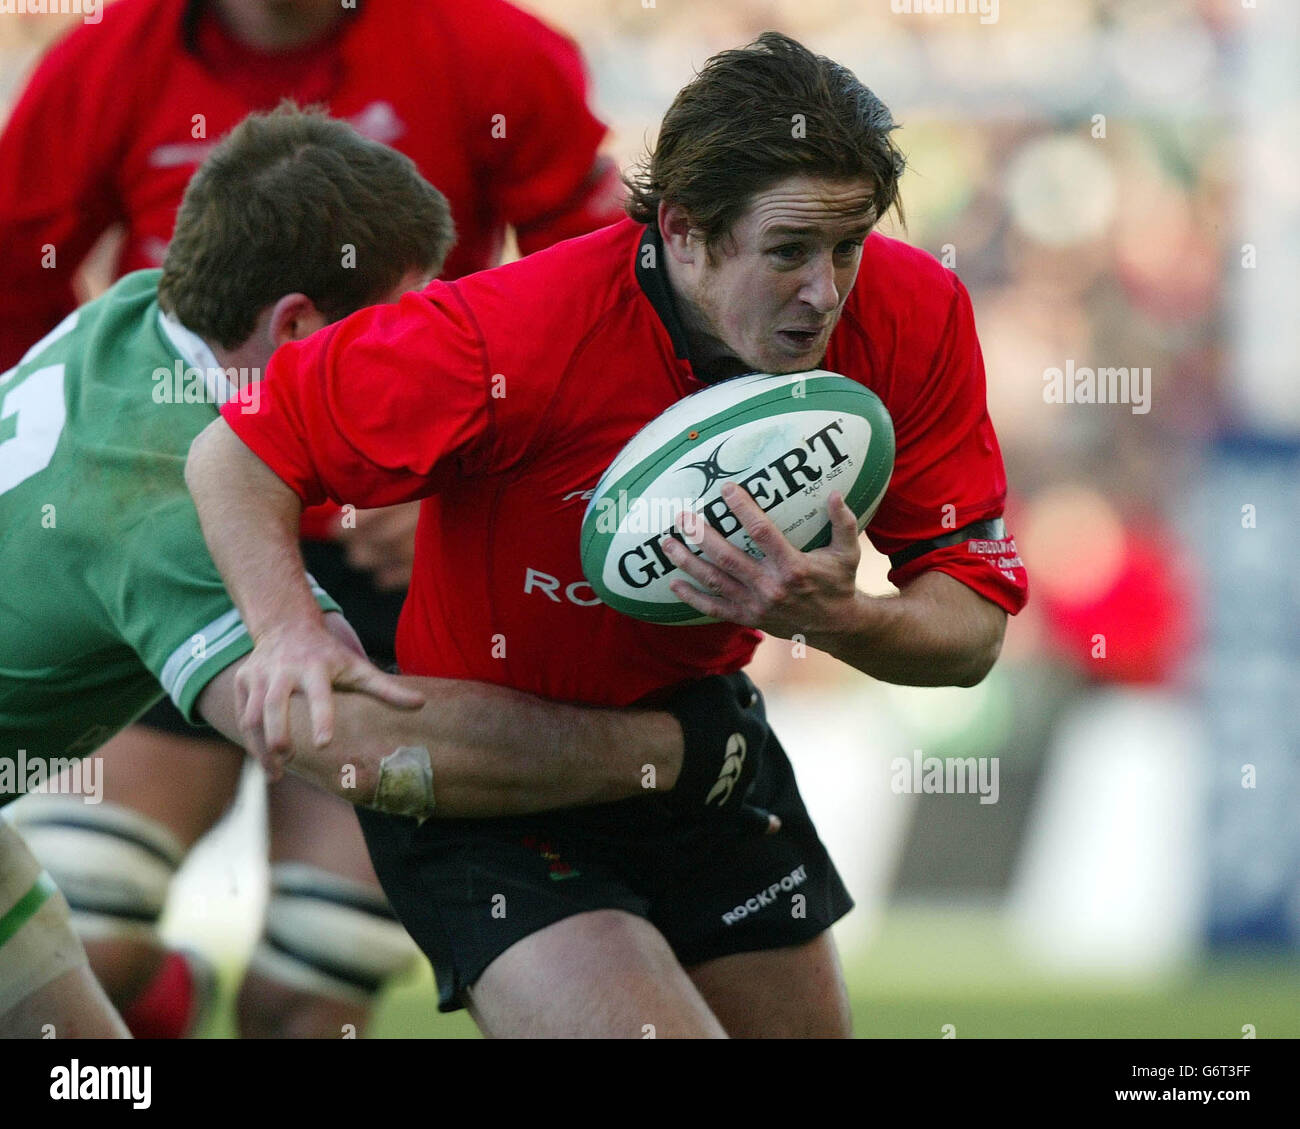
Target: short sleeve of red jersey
539, 140
943, 509
386, 406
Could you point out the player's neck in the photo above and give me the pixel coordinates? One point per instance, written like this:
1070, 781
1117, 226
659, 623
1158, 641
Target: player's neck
247, 357
711, 358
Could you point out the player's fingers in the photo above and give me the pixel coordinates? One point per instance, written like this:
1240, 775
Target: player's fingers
254, 736
253, 691
273, 766
705, 604
368, 679
730, 558
320, 704
699, 533
271, 763
275, 713
844, 526
757, 524
717, 580
256, 747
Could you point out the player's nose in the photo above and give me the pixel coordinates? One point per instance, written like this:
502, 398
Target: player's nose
818, 288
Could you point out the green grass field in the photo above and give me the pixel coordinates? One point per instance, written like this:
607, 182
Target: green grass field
928, 968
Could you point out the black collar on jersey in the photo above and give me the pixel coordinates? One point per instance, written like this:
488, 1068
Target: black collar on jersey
652, 277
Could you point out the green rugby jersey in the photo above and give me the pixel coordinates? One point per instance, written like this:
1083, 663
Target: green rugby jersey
108, 597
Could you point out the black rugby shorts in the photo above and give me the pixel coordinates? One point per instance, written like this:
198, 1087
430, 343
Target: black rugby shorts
468, 889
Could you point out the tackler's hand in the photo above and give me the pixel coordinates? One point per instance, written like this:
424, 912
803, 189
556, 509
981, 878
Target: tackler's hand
313, 660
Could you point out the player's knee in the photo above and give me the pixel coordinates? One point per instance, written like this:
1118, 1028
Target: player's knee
37, 944
329, 946
115, 868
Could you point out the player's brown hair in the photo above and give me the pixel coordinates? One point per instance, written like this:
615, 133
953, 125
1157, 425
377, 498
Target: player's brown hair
755, 116
293, 201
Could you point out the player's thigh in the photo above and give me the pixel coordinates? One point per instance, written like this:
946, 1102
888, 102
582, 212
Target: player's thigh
183, 782
789, 993
601, 974
310, 826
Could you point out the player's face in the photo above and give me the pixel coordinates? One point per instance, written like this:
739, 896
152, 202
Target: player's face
280, 24
772, 293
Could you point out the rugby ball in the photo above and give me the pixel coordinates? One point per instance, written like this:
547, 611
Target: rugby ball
789, 440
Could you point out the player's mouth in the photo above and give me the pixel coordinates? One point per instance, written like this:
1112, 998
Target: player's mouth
799, 340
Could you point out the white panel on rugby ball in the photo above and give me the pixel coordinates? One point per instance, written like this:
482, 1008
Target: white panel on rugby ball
790, 440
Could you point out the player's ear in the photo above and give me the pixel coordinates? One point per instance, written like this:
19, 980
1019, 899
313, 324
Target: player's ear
294, 317
681, 240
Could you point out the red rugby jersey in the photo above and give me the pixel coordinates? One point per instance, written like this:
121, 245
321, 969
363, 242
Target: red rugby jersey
119, 114
502, 398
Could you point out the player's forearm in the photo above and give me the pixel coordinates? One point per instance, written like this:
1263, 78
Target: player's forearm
493, 750
936, 632
250, 522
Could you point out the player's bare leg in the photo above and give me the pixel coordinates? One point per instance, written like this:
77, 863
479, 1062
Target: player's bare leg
330, 940
791, 993
46, 987
168, 790
602, 974
71, 1006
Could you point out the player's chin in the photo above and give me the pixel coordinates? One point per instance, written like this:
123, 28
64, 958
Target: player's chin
788, 352
784, 365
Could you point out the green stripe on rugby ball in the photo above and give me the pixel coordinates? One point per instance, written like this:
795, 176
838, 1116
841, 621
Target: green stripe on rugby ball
689, 431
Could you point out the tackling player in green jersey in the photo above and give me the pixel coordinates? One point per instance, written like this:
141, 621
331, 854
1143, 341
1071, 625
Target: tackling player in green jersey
110, 598
99, 418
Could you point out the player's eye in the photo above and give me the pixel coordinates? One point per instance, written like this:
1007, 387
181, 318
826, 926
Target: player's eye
787, 252
848, 248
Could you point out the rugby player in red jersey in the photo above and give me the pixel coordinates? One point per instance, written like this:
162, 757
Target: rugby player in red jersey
497, 400
491, 105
